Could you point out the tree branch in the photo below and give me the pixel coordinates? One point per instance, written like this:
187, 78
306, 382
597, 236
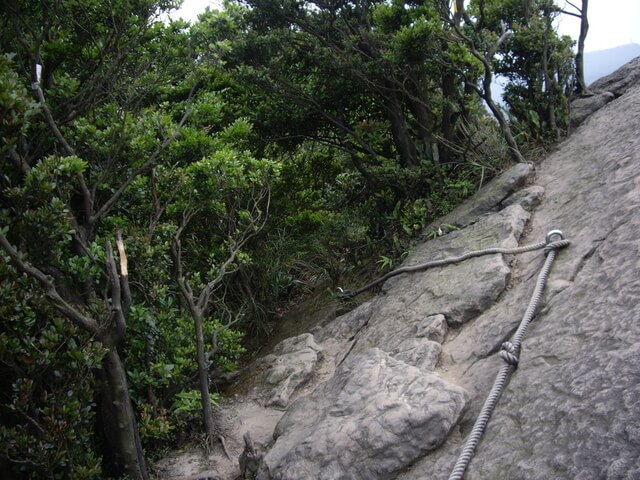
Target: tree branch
150, 162
18, 161
574, 6
160, 209
87, 324
124, 274
176, 251
577, 15
86, 194
117, 314
257, 224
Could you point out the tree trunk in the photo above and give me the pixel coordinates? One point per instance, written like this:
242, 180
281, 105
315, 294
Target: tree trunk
118, 420
203, 375
581, 85
127, 450
514, 151
424, 120
448, 126
404, 143
549, 82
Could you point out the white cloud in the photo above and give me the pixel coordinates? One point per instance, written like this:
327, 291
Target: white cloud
190, 9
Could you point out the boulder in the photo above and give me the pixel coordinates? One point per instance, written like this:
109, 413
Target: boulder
286, 369
604, 91
583, 107
528, 198
373, 418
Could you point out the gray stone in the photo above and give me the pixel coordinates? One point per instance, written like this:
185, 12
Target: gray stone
528, 198
583, 107
604, 91
411, 319
286, 369
575, 397
620, 81
418, 352
459, 291
434, 328
346, 326
373, 418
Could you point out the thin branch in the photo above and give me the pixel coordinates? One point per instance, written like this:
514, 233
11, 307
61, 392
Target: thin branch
215, 348
256, 225
496, 46
150, 162
176, 251
574, 6
160, 209
30, 419
117, 313
86, 194
577, 15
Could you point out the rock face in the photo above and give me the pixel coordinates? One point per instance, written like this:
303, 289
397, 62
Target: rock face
391, 389
573, 409
605, 90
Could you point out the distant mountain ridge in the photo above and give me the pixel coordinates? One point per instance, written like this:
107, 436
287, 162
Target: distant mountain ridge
603, 62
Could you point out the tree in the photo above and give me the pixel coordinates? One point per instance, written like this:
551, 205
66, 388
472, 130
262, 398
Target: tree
237, 223
127, 445
536, 62
352, 64
493, 42
65, 185
581, 13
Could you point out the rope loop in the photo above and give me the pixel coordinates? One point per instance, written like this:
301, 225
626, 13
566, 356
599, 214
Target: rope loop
557, 245
510, 354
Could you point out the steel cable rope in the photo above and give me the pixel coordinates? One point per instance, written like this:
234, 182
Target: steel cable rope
448, 261
510, 351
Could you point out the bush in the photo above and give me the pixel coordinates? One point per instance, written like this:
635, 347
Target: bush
47, 387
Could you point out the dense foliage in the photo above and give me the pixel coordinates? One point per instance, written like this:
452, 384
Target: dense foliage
167, 188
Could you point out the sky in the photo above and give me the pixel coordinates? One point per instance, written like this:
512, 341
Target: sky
611, 22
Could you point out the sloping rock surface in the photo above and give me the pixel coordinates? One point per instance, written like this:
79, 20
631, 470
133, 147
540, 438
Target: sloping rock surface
605, 90
571, 411
384, 407
391, 389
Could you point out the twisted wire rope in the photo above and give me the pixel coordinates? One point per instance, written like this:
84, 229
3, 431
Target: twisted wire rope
510, 354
